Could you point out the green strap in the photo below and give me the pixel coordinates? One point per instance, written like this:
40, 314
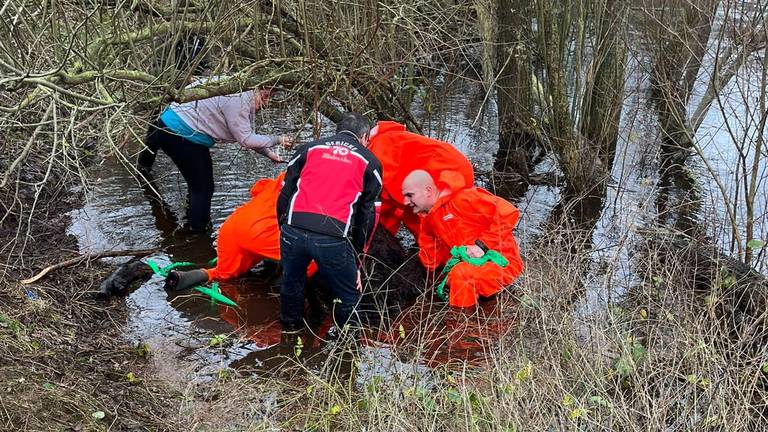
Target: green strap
163, 271
215, 294
440, 288
153, 265
459, 254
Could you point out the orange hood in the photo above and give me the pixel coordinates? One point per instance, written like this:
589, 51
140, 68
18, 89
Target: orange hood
386, 126
401, 152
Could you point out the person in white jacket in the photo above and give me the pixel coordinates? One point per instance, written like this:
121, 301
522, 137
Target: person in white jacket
187, 131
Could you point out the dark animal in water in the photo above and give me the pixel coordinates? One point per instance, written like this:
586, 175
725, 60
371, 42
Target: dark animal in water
124, 279
392, 279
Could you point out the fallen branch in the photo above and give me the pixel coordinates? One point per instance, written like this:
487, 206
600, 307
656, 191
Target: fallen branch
78, 260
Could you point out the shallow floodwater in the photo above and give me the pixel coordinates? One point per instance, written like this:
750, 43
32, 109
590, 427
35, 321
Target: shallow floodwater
206, 337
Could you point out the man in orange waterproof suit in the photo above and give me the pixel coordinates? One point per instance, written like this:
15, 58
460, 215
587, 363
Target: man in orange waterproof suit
248, 236
401, 152
454, 213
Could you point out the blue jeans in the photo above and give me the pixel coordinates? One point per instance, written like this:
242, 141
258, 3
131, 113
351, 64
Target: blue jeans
336, 263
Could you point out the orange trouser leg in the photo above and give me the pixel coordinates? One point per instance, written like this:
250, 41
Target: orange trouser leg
239, 252
232, 263
467, 282
233, 259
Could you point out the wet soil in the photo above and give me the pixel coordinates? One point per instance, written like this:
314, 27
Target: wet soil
62, 350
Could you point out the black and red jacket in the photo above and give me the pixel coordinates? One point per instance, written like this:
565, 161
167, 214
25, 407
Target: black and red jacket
333, 186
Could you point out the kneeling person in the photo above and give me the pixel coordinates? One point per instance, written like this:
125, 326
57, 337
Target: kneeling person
248, 236
401, 152
455, 213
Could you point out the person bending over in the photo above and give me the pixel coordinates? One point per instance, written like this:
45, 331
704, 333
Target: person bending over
328, 211
186, 132
248, 236
401, 152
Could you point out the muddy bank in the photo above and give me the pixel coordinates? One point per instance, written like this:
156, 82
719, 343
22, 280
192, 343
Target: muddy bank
66, 364
64, 361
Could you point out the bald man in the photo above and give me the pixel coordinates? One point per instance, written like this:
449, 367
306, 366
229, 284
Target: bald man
455, 213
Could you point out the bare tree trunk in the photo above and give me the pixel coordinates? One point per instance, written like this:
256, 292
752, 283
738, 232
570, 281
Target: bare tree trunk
604, 95
517, 142
487, 26
681, 31
554, 19
584, 134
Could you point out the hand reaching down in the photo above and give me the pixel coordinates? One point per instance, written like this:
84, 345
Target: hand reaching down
273, 156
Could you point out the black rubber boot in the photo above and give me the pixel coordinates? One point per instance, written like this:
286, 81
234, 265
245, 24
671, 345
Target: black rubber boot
180, 280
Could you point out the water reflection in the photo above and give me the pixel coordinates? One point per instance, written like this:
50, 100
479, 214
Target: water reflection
453, 337
572, 224
516, 159
678, 202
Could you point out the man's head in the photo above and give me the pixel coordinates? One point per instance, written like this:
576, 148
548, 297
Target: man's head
419, 191
261, 96
357, 124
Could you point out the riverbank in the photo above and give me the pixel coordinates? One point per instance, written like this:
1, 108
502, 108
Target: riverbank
652, 359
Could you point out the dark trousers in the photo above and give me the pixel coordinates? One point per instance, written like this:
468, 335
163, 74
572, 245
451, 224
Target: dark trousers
336, 262
194, 163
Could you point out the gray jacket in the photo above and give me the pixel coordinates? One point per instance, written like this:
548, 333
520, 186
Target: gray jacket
226, 119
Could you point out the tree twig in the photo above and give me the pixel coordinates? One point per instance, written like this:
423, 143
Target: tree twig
81, 258
27, 148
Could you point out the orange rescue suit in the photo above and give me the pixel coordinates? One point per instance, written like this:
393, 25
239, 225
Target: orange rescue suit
401, 152
466, 215
250, 234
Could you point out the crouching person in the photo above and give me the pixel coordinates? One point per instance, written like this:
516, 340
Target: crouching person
248, 236
328, 210
455, 213
401, 152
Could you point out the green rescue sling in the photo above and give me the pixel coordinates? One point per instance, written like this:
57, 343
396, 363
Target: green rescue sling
214, 292
459, 254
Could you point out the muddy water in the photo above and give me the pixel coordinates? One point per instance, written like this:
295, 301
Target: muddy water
192, 337
182, 329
